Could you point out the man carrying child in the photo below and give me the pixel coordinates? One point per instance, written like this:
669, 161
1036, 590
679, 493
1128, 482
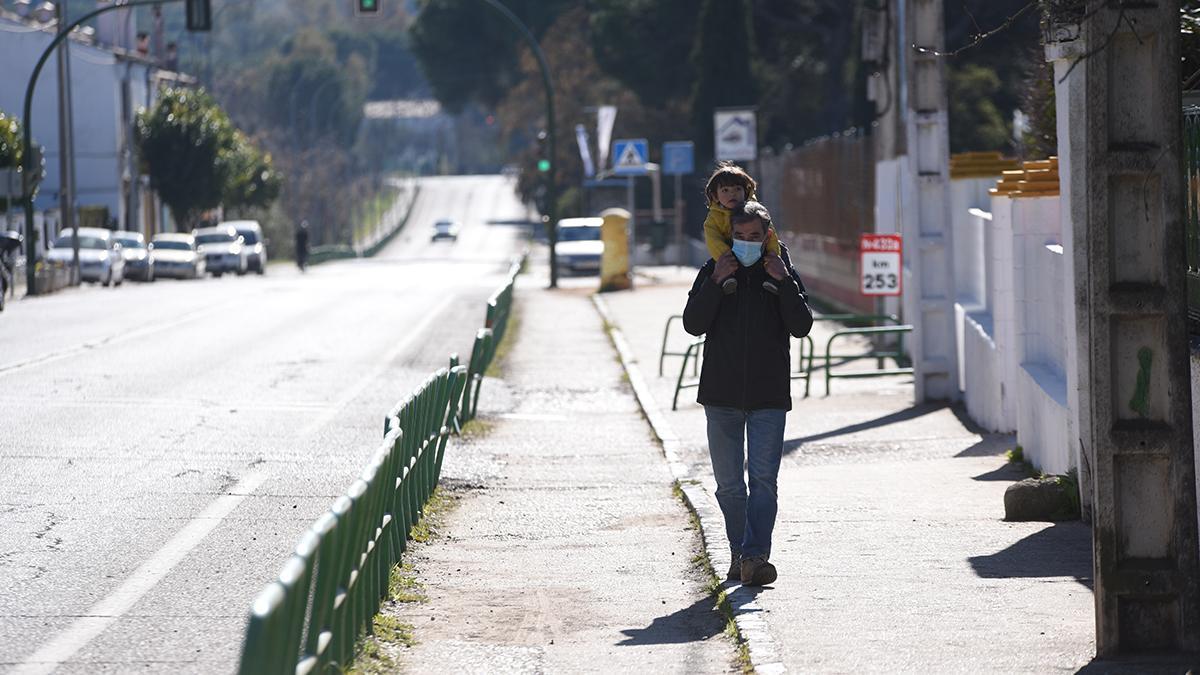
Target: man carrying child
745, 383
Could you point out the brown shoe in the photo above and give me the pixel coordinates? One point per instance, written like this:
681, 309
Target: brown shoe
757, 571
735, 569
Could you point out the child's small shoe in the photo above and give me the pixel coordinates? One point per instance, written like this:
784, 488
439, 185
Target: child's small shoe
729, 286
770, 287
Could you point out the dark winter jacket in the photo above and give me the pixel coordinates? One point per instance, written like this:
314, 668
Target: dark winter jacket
747, 359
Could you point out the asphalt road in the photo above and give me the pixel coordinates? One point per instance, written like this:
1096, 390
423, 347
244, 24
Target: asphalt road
164, 445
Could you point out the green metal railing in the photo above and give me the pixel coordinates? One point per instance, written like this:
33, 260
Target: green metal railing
333, 583
806, 352
331, 587
1191, 150
487, 339
879, 355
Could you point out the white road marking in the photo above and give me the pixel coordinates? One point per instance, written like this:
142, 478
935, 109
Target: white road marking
104, 613
43, 359
415, 333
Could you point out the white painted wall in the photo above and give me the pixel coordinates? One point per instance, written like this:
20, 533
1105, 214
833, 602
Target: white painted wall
100, 133
1015, 338
970, 258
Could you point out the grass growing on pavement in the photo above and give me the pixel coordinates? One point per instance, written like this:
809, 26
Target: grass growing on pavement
373, 652
476, 428
403, 585
712, 585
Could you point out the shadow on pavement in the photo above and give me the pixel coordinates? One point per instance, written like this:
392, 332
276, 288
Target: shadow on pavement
1145, 665
1061, 550
1007, 471
792, 444
693, 623
990, 445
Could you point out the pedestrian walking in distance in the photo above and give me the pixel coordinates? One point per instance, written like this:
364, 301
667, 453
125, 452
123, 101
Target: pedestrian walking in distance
302, 245
745, 383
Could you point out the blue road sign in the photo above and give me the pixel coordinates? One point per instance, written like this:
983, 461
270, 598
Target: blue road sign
678, 158
630, 156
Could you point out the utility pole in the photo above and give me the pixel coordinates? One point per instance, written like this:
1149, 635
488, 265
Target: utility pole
66, 143
1147, 588
929, 291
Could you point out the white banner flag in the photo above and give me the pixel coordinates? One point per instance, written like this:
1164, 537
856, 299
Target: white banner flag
585, 153
606, 116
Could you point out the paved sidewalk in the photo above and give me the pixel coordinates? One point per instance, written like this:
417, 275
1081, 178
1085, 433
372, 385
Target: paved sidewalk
567, 552
891, 548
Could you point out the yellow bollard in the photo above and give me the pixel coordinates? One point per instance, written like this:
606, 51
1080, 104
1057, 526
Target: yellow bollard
614, 263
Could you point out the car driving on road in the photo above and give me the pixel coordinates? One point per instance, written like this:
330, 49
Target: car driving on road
175, 256
139, 259
223, 250
579, 247
445, 229
252, 240
100, 257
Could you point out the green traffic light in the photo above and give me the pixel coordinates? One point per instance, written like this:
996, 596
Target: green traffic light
543, 165
368, 6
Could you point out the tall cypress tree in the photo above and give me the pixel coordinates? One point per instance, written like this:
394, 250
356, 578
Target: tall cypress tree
724, 62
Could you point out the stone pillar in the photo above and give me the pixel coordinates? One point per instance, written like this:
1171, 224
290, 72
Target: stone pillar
928, 238
1136, 347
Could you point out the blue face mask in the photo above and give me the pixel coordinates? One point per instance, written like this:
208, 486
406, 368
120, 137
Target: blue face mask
747, 252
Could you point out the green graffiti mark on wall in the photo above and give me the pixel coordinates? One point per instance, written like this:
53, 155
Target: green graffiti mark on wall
1139, 403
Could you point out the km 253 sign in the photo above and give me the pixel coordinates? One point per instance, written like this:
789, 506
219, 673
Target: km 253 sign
880, 272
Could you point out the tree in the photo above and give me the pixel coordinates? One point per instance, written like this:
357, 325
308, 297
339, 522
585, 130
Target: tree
252, 181
723, 62
629, 43
182, 143
12, 157
976, 123
469, 52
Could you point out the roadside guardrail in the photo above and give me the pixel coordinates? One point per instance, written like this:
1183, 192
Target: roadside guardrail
332, 585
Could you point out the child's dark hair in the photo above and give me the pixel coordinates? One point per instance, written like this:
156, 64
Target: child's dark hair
728, 173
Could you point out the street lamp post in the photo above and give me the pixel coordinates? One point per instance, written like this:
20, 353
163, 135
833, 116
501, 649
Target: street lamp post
66, 138
551, 135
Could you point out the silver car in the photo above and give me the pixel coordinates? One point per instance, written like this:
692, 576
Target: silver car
100, 257
139, 258
223, 250
253, 242
175, 255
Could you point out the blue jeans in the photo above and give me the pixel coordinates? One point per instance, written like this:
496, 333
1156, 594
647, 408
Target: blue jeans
752, 439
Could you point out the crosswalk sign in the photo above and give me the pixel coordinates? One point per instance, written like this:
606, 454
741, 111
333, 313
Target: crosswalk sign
630, 156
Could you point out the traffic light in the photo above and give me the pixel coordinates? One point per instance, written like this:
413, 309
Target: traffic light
199, 15
366, 7
543, 164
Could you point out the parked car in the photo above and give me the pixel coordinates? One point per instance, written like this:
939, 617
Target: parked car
175, 255
445, 229
100, 256
223, 249
10, 243
579, 247
252, 240
139, 259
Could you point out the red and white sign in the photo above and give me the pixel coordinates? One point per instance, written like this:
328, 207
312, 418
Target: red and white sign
880, 273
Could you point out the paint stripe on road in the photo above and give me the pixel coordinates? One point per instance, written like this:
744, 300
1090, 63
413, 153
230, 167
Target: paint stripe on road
106, 612
43, 359
414, 333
